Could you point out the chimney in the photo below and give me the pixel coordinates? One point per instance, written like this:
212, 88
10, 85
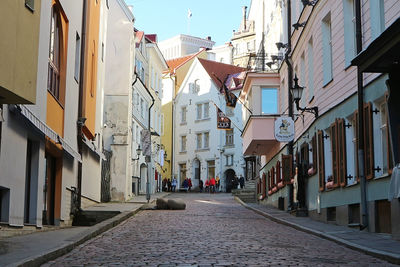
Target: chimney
244, 17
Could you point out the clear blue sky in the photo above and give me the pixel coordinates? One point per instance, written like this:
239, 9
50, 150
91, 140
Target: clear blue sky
167, 18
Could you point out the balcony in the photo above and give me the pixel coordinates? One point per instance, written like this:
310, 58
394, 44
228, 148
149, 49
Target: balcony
258, 135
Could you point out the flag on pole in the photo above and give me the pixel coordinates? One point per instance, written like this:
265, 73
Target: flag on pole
189, 13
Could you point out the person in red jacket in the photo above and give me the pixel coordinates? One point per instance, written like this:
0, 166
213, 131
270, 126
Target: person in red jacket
212, 185
190, 184
207, 185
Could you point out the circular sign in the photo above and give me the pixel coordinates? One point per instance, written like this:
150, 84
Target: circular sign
284, 129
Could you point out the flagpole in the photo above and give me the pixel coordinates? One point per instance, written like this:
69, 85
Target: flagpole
240, 130
189, 15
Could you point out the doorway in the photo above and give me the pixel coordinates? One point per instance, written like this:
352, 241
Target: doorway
196, 165
49, 190
230, 180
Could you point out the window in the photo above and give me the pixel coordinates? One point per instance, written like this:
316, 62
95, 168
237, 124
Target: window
183, 143
287, 168
369, 142
199, 140
229, 137
310, 70
53, 84
137, 134
327, 48
30, 4
229, 160
183, 114
206, 140
182, 171
206, 107
102, 52
377, 13
133, 131
303, 78
385, 140
199, 111
314, 151
338, 145
196, 86
269, 99
142, 107
321, 161
278, 172
211, 168
77, 57
349, 31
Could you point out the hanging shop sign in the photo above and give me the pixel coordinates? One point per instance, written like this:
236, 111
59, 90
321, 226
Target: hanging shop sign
284, 129
223, 122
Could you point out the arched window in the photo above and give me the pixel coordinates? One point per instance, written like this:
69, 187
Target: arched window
53, 80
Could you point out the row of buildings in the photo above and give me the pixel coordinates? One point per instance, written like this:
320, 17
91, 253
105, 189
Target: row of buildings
96, 110
326, 69
80, 88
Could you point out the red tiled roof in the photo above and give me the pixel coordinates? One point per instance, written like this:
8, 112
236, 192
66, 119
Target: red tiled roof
219, 71
139, 36
175, 63
152, 37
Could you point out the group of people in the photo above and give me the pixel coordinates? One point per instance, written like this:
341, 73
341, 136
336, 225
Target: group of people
168, 185
211, 185
187, 184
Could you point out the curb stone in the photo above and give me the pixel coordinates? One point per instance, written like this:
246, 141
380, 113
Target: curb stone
387, 256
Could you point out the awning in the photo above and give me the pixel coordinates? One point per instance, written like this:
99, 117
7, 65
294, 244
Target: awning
383, 53
42, 127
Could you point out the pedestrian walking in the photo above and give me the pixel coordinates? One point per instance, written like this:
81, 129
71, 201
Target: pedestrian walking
212, 185
241, 182
190, 184
207, 184
217, 183
173, 184
169, 184
185, 184
164, 184
201, 186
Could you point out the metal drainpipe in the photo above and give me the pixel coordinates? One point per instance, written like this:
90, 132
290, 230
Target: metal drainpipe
172, 128
361, 143
80, 122
149, 160
290, 85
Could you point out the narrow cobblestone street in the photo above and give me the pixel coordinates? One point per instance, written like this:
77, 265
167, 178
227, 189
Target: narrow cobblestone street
214, 230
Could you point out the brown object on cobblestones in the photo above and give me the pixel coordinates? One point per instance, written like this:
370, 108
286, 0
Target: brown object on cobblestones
162, 204
176, 204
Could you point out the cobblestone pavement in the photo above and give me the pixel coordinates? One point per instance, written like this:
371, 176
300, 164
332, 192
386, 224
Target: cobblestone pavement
214, 230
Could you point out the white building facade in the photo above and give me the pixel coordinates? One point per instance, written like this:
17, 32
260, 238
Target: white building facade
201, 150
182, 45
117, 135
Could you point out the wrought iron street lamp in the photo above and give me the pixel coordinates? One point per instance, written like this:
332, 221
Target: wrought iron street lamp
297, 91
138, 152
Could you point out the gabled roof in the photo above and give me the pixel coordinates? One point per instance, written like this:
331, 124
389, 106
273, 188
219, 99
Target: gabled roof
151, 37
139, 37
175, 63
219, 72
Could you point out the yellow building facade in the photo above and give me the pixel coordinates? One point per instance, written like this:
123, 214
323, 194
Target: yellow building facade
19, 43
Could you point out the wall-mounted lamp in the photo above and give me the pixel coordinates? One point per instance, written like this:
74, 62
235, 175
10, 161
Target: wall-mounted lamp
309, 3
297, 25
276, 57
269, 64
281, 45
297, 91
138, 152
